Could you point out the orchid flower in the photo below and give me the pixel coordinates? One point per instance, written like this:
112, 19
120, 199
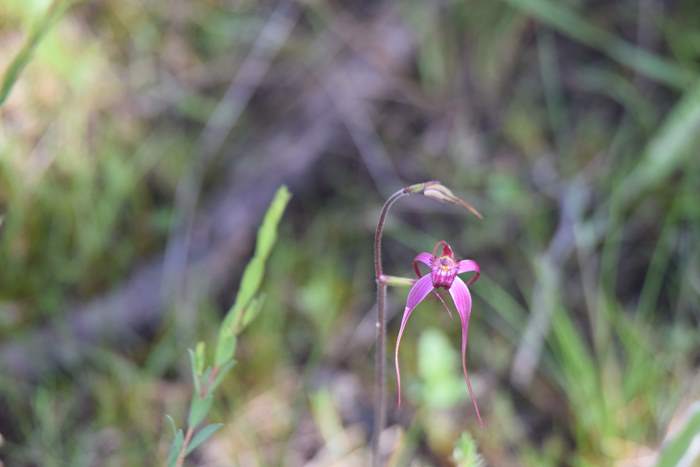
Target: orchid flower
444, 274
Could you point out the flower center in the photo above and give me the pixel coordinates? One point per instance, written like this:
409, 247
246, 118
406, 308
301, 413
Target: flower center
443, 272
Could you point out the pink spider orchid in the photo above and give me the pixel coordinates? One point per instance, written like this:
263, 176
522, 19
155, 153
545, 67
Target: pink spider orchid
444, 271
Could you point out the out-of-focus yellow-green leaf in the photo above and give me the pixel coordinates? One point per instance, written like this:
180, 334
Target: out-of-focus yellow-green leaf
252, 276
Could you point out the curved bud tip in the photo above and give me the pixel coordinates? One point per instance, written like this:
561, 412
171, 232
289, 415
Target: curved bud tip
419, 187
440, 192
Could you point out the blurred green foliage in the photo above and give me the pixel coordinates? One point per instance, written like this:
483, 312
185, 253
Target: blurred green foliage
438, 366
465, 453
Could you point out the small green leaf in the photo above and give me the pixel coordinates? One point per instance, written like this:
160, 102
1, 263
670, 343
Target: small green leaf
53, 13
171, 422
206, 389
203, 435
252, 311
200, 354
226, 347
175, 448
199, 409
195, 374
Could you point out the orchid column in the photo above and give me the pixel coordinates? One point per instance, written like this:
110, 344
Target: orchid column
431, 189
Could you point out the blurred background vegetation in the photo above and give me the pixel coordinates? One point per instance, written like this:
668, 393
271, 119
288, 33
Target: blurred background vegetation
142, 142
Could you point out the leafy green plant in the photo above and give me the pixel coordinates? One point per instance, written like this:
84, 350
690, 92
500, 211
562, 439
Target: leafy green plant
207, 377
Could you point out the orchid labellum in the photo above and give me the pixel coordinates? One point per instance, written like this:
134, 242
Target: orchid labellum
444, 274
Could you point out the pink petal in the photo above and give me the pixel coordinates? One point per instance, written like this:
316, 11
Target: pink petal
463, 303
468, 265
425, 258
419, 291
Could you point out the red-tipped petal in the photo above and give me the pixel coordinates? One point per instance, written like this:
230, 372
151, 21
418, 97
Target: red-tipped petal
446, 249
469, 265
463, 303
419, 291
425, 258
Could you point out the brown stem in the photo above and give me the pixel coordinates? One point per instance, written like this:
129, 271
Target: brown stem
380, 364
181, 457
209, 383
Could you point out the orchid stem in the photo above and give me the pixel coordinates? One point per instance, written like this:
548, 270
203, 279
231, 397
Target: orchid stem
382, 282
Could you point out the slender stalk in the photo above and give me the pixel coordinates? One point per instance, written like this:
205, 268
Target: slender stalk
396, 281
183, 450
380, 364
380, 375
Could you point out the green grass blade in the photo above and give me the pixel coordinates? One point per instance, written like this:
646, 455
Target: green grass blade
568, 22
668, 150
677, 448
54, 12
580, 375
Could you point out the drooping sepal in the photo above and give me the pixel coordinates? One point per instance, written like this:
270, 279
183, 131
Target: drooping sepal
463, 302
417, 294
